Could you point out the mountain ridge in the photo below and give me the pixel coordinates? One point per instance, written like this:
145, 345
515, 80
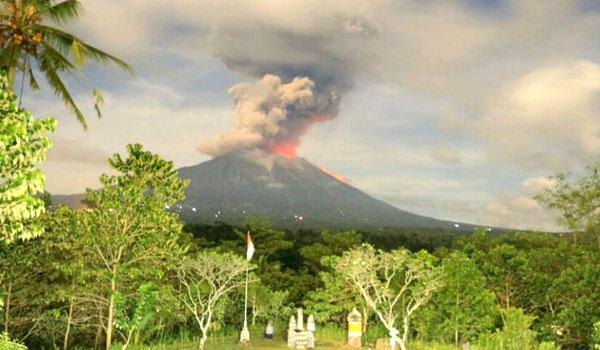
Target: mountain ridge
291, 193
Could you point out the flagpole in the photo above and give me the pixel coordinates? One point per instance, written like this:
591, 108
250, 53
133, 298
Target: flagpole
245, 334
246, 301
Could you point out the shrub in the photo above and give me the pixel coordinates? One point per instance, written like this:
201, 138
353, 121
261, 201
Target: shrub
515, 335
7, 344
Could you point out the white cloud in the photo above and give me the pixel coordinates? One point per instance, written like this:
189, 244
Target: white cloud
144, 112
519, 209
446, 155
547, 119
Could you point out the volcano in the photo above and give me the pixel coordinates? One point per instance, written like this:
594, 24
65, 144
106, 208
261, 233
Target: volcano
289, 192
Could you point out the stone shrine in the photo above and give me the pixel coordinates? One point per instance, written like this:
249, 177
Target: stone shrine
298, 337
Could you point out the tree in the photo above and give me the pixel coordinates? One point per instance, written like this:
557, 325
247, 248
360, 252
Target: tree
28, 41
333, 243
336, 298
267, 240
206, 278
63, 255
23, 143
506, 269
577, 201
464, 305
266, 303
23, 288
127, 228
516, 334
393, 284
144, 303
577, 296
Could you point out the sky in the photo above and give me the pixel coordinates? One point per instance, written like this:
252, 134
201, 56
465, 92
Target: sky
459, 110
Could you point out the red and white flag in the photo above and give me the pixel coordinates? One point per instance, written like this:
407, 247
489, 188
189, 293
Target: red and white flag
249, 247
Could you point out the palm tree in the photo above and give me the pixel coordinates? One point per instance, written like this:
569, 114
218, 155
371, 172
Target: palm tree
28, 44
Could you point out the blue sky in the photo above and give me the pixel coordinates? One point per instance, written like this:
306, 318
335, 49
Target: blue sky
453, 109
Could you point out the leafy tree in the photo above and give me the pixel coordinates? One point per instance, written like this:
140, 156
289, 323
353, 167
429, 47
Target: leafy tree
128, 231
74, 281
22, 289
516, 334
577, 201
333, 243
266, 303
28, 41
22, 144
206, 279
577, 296
506, 268
267, 240
145, 302
464, 305
336, 298
393, 284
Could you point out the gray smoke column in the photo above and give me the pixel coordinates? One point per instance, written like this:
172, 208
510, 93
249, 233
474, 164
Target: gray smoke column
273, 115
305, 56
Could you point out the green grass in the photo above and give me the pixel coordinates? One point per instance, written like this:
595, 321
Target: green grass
327, 338
231, 343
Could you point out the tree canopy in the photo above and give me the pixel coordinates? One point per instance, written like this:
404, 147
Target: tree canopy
23, 144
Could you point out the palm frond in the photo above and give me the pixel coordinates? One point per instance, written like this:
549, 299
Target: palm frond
62, 12
5, 56
59, 61
65, 43
78, 55
98, 101
32, 81
48, 68
104, 57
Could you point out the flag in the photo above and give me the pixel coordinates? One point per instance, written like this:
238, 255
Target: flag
249, 247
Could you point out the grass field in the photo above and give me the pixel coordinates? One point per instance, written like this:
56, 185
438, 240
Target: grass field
230, 343
254, 345
328, 338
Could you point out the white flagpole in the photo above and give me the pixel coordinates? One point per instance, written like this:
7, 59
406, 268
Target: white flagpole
245, 335
246, 301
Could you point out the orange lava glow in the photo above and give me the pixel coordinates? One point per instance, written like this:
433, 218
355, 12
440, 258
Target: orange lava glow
340, 178
288, 150
287, 147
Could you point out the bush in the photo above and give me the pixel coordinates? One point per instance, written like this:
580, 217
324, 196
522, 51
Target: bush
596, 336
7, 344
548, 345
515, 335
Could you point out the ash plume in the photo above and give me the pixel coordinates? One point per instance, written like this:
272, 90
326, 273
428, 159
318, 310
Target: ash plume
273, 115
322, 62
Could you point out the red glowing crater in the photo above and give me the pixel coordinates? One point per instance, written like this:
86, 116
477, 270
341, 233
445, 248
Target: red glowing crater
287, 147
288, 150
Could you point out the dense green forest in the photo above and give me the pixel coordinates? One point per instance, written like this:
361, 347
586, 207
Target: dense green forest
57, 291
